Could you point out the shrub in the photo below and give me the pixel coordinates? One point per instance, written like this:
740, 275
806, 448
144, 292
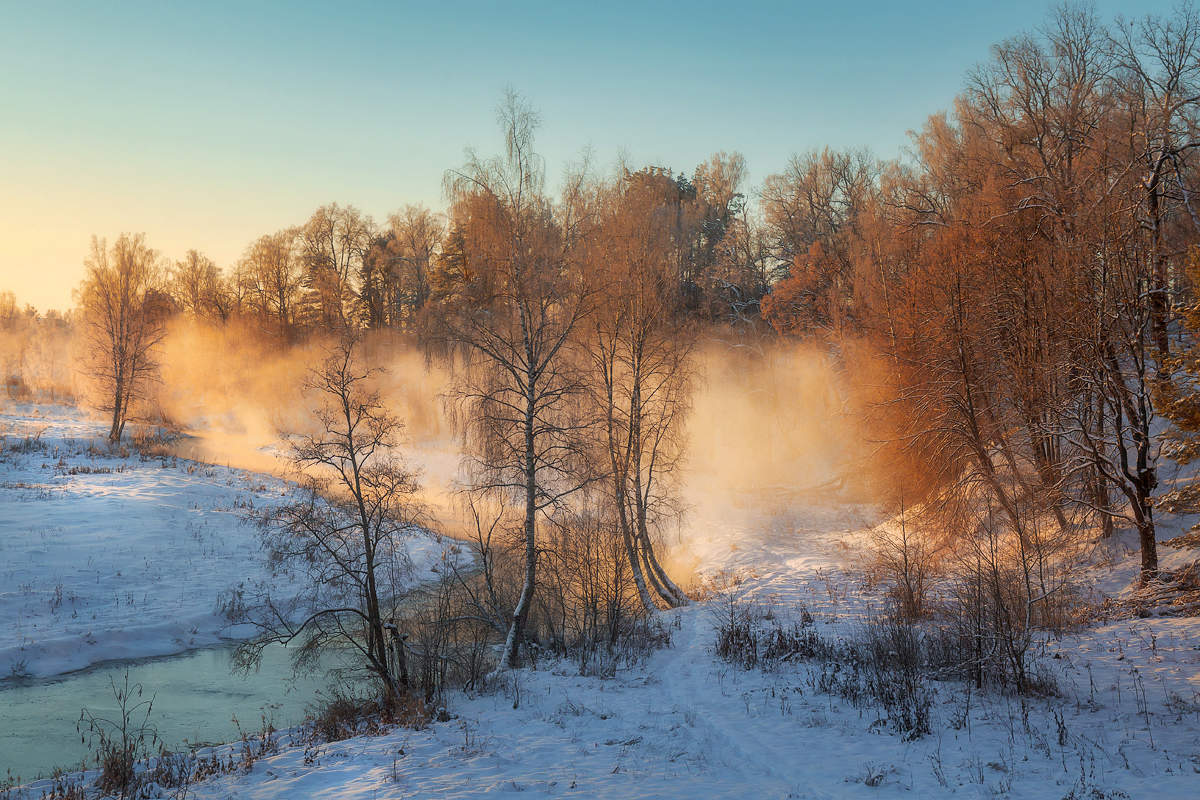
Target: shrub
883, 667
118, 743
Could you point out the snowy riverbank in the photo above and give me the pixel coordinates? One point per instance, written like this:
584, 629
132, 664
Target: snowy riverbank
106, 555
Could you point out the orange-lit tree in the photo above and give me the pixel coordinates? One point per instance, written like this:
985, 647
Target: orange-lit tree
124, 311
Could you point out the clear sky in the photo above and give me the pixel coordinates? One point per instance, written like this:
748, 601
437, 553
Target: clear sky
206, 124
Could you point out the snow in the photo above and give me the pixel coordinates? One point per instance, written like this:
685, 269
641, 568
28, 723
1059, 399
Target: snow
686, 724
682, 724
106, 556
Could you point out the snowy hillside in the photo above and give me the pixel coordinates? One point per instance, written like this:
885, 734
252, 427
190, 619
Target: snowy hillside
108, 556
687, 724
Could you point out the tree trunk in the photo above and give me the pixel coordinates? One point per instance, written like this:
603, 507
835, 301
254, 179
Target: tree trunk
1100, 489
620, 494
635, 565
1160, 298
672, 593
114, 432
667, 590
1149, 546
118, 418
516, 630
398, 655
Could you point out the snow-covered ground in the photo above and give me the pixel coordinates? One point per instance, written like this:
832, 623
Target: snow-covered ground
684, 723
106, 556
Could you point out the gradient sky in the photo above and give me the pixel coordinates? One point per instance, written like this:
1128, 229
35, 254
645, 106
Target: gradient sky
207, 124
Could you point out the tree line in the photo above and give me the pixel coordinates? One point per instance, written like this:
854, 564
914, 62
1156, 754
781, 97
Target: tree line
1019, 296
1019, 275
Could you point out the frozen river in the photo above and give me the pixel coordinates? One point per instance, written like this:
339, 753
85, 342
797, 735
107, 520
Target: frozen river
196, 699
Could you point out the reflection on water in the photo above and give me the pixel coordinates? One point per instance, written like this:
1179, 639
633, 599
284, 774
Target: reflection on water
196, 698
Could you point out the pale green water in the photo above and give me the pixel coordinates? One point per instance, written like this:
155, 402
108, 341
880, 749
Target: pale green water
196, 698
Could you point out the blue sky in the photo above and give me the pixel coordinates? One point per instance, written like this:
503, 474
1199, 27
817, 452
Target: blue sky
207, 124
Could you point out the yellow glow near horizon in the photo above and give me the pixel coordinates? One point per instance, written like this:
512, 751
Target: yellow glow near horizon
45, 235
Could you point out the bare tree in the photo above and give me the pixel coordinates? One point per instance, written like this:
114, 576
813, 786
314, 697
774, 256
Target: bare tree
1023, 281
641, 355
514, 312
332, 246
346, 535
417, 231
812, 219
1159, 61
270, 277
124, 309
817, 198
1121, 372
197, 287
395, 274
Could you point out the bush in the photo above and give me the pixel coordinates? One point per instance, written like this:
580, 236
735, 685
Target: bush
585, 609
883, 667
118, 743
895, 669
446, 641
905, 558
347, 713
634, 642
744, 638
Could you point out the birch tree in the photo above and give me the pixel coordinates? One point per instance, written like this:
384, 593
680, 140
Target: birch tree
641, 356
514, 309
